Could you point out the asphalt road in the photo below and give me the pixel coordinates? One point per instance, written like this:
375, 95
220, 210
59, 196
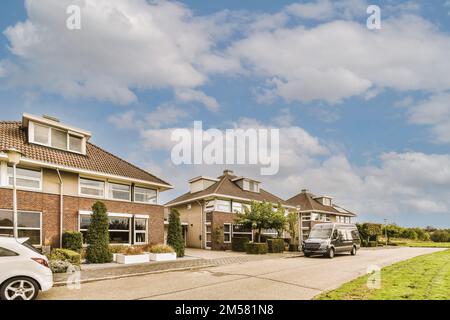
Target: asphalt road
283, 278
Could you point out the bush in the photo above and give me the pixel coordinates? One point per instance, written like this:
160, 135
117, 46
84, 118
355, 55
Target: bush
256, 248
238, 243
70, 256
132, 251
59, 266
372, 244
98, 235
440, 236
275, 245
161, 248
117, 248
175, 233
72, 240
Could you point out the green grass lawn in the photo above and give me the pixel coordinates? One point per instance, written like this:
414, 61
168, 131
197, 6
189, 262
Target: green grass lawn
414, 243
425, 277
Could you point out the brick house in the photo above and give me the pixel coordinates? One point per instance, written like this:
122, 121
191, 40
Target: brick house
211, 203
61, 175
314, 209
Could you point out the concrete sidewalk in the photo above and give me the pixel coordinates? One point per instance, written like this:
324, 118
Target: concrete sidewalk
194, 259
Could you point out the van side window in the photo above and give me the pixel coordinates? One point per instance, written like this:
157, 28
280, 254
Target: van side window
7, 253
355, 234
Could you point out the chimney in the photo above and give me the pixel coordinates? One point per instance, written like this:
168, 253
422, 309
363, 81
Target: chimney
227, 171
305, 191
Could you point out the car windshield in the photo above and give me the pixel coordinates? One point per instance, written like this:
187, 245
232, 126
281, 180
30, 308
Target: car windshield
321, 232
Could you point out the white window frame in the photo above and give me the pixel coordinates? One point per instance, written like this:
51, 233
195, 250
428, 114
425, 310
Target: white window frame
142, 217
139, 187
210, 206
27, 228
18, 176
240, 205
90, 195
110, 193
49, 138
229, 233
112, 215
217, 205
238, 233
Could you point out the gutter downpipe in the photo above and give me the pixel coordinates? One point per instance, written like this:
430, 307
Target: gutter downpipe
61, 207
202, 225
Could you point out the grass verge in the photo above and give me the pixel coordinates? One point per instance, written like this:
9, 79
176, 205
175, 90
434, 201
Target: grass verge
425, 277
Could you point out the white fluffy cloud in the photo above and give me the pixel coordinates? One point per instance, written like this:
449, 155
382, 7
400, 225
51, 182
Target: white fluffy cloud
434, 112
340, 59
122, 46
189, 95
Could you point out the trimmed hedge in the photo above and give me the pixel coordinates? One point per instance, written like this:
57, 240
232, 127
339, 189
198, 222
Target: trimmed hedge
72, 240
238, 243
66, 255
256, 248
275, 245
98, 235
372, 244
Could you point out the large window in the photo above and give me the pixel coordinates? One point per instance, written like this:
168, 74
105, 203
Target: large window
119, 228
25, 178
237, 207
56, 138
29, 225
59, 139
144, 195
75, 143
240, 231
91, 188
223, 205
119, 191
140, 230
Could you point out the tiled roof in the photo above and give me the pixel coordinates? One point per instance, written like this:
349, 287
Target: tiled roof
12, 135
307, 202
225, 186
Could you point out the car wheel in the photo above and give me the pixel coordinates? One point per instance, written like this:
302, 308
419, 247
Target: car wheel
19, 288
331, 253
353, 252
307, 255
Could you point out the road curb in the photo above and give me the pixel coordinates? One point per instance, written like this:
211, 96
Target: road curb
64, 283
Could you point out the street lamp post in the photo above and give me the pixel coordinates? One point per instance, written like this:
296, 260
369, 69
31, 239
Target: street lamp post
300, 226
14, 159
385, 231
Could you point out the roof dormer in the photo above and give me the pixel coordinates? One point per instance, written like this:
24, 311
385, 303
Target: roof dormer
247, 184
324, 200
50, 132
201, 183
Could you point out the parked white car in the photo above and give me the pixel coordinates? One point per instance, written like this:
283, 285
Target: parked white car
23, 270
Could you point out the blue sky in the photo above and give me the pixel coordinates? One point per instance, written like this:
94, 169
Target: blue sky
364, 115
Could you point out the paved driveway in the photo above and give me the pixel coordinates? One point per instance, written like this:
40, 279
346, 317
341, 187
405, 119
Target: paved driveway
278, 278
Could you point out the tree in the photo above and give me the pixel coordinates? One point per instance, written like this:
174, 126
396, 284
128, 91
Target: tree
278, 220
392, 231
292, 220
175, 233
98, 235
262, 216
440, 236
370, 231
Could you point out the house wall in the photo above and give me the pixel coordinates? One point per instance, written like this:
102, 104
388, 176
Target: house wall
49, 204
218, 219
50, 182
193, 217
